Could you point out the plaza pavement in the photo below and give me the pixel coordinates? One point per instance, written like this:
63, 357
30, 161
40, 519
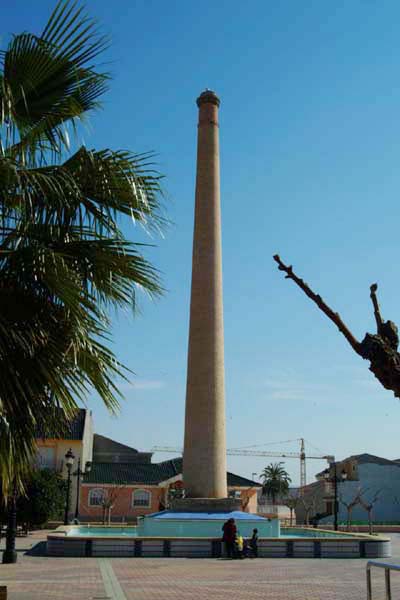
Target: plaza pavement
37, 577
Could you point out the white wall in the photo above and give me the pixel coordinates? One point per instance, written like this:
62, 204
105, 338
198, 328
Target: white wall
373, 477
87, 440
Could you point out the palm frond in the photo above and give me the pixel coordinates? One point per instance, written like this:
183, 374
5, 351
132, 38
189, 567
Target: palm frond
64, 260
48, 81
91, 189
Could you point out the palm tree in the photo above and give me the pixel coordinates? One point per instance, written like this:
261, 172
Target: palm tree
64, 261
275, 481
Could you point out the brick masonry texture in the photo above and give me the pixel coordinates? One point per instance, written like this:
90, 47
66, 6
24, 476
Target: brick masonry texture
204, 465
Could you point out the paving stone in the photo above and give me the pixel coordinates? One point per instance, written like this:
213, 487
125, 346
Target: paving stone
37, 577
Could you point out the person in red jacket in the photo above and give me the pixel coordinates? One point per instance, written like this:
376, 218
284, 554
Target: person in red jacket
229, 537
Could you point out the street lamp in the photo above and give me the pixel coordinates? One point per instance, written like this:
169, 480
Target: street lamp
78, 473
335, 479
69, 461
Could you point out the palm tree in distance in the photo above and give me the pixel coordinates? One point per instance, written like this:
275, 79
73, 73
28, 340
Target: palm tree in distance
64, 260
275, 481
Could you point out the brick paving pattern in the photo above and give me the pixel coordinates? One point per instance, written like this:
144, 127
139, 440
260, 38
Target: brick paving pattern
37, 577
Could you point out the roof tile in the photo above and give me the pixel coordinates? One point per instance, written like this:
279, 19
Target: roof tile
72, 430
149, 473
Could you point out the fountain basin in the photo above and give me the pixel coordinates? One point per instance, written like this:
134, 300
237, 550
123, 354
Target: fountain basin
204, 524
167, 536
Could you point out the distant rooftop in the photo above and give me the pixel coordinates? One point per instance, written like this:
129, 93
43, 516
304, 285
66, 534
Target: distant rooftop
148, 473
363, 459
371, 458
106, 450
70, 430
101, 443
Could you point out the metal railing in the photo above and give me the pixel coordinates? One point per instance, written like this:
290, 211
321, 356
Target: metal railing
387, 567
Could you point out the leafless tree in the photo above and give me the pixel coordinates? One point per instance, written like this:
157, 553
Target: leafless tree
350, 505
368, 505
310, 505
108, 502
291, 502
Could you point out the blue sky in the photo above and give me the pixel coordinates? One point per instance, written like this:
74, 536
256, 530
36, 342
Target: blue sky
310, 149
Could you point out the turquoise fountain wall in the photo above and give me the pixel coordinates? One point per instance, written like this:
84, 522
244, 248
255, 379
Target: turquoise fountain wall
174, 524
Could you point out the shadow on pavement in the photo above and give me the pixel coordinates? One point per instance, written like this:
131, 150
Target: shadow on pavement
38, 549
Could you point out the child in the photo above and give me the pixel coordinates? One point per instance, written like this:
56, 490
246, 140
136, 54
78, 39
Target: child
239, 546
254, 543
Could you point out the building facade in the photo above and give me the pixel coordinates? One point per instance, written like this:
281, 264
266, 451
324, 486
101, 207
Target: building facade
372, 478
51, 449
134, 489
120, 483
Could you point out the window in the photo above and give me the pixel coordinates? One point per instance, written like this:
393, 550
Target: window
96, 497
46, 457
234, 494
141, 498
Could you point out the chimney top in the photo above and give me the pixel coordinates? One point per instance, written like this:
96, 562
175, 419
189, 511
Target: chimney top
208, 96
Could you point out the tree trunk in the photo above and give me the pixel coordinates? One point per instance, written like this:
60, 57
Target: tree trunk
291, 516
349, 511
370, 526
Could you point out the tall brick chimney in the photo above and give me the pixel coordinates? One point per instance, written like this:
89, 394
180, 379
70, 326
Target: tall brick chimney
204, 459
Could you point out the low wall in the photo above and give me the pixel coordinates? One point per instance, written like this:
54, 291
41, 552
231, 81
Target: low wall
365, 529
348, 547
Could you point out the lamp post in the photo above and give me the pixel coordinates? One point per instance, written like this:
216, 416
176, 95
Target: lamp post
69, 461
335, 479
78, 473
9, 554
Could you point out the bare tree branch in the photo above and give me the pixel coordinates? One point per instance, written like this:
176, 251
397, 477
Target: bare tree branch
335, 317
350, 505
369, 505
377, 312
380, 349
310, 505
292, 502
